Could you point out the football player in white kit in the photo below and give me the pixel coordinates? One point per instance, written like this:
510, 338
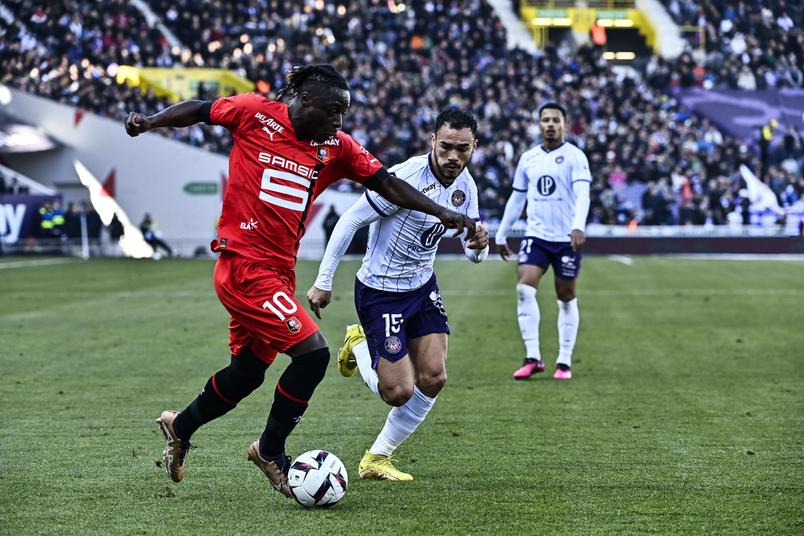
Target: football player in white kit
553, 179
400, 345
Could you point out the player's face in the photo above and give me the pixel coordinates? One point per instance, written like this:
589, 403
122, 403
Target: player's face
552, 125
452, 150
322, 113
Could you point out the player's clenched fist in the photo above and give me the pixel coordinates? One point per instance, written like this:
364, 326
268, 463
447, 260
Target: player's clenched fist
136, 124
481, 238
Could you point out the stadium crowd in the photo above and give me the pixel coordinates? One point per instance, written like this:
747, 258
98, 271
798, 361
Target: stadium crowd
754, 44
654, 163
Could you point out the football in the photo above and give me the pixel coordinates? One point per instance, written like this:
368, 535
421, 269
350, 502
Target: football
317, 478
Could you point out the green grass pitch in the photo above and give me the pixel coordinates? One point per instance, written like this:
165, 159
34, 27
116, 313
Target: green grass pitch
686, 413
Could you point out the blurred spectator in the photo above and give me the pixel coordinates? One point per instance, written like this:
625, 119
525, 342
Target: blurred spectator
330, 220
153, 236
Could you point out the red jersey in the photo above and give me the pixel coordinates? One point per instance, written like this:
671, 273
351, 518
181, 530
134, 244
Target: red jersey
274, 178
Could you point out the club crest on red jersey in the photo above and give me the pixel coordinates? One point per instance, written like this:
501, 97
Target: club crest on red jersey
293, 323
322, 154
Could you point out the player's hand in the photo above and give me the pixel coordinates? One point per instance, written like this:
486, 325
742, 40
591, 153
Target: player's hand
459, 222
577, 239
481, 238
136, 124
504, 251
318, 299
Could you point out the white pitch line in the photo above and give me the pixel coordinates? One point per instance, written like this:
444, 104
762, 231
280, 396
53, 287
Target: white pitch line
622, 259
32, 264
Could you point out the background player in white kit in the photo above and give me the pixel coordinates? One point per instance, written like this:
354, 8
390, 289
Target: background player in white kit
396, 293
553, 179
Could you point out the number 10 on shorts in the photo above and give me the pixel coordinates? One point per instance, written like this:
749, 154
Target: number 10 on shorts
281, 304
393, 323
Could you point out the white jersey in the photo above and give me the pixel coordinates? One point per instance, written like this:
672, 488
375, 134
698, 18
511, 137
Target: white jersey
402, 244
547, 177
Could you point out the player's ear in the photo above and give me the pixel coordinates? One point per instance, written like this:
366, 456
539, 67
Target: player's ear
432, 139
306, 98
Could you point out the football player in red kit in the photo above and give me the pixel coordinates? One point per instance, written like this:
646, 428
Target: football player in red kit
286, 152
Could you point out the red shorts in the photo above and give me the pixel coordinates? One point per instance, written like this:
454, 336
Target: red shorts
266, 316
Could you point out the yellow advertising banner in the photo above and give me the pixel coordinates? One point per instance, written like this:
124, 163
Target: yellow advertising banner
182, 84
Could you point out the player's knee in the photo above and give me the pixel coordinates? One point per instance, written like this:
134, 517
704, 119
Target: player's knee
565, 295
432, 384
315, 363
396, 395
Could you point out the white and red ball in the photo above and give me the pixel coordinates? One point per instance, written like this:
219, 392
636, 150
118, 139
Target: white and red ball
317, 478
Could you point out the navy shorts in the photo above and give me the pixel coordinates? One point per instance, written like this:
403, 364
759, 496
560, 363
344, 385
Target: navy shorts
391, 318
559, 255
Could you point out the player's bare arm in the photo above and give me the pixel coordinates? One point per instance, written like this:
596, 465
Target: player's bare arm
577, 238
182, 114
403, 194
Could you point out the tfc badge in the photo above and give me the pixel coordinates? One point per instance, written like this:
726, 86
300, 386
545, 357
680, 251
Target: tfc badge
458, 198
293, 324
323, 154
393, 344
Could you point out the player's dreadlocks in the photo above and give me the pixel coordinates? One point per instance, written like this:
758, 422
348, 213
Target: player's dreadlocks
321, 74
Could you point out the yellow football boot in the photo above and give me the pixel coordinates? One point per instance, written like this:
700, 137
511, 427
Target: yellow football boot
379, 467
347, 364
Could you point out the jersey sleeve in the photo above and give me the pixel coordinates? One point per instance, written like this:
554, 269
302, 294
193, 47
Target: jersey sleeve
230, 111
580, 168
473, 207
381, 206
354, 161
520, 176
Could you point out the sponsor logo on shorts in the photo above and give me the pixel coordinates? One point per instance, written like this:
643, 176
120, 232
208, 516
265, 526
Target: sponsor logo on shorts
567, 264
559, 159
293, 323
458, 198
435, 297
393, 345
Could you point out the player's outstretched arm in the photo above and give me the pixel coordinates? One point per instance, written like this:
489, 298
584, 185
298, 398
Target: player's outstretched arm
359, 215
403, 194
182, 114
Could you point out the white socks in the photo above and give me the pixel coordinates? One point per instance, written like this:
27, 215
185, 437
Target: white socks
402, 422
568, 320
528, 316
363, 357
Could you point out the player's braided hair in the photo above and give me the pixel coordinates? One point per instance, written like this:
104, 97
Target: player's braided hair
321, 74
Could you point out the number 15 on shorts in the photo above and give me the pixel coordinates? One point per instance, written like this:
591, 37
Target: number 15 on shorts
393, 323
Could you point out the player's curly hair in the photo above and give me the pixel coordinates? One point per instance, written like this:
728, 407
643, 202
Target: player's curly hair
456, 118
320, 74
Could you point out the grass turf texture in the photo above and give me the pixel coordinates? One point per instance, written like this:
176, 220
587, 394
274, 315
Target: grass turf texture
685, 414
